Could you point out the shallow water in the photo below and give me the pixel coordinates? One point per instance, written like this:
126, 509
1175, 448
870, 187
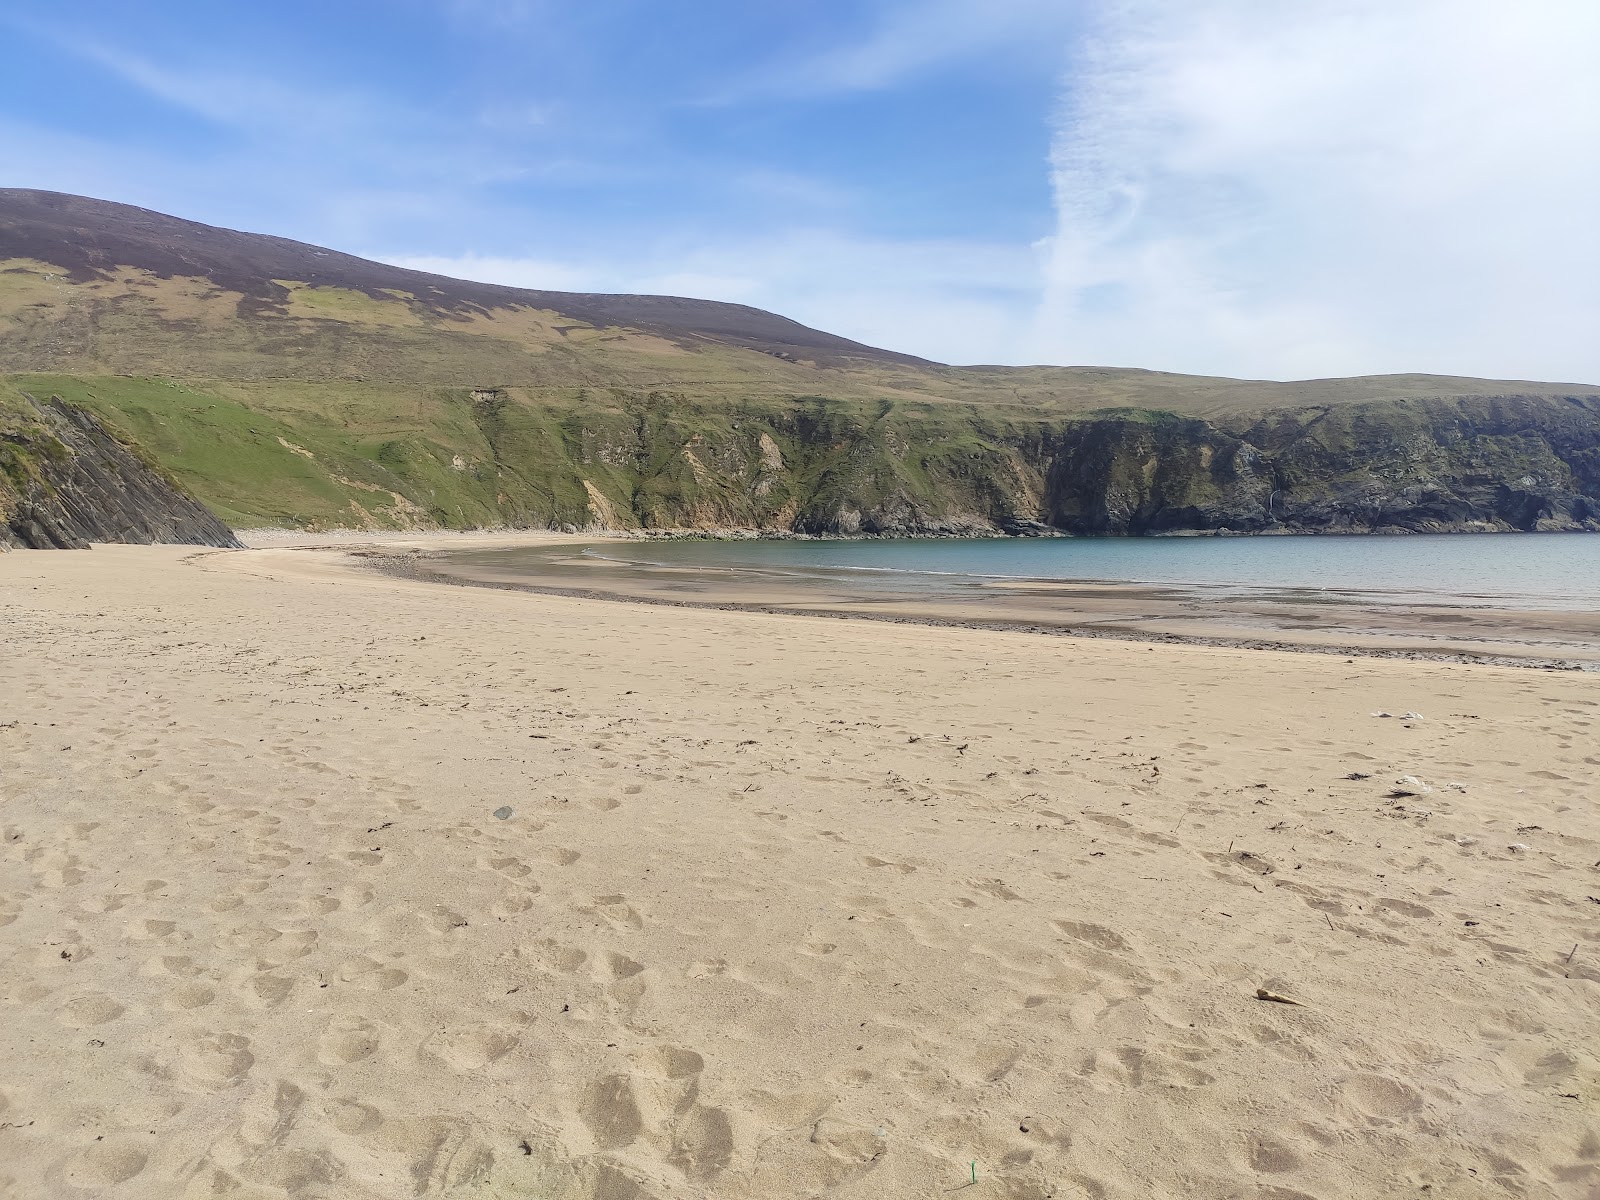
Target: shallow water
1554, 571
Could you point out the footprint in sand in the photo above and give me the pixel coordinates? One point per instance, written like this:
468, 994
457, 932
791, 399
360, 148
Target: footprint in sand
364, 972
1379, 1098
617, 912
610, 1112
189, 995
445, 920
150, 929
874, 861
57, 870
993, 887
514, 902
347, 1040
1404, 908
104, 1164
1095, 935
470, 1048
842, 1152
511, 868
620, 966
551, 955
672, 1062
249, 937
351, 1116
1270, 1156
180, 965
267, 990
87, 1011
702, 1142
289, 947
216, 1061
994, 1063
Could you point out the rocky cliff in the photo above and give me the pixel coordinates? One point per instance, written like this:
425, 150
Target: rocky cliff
1468, 464
66, 482
501, 457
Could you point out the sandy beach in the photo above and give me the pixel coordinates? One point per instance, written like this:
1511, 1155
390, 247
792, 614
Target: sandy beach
319, 882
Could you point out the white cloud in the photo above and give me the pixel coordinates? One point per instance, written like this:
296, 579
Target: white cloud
1351, 186
910, 37
233, 98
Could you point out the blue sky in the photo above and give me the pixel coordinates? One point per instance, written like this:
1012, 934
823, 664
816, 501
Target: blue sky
1220, 186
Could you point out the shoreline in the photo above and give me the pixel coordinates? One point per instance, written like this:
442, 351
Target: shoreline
422, 564
278, 535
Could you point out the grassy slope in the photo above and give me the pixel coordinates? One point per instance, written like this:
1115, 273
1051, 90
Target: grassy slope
349, 409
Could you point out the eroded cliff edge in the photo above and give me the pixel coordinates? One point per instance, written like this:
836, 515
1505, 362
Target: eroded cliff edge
66, 482
1467, 464
618, 460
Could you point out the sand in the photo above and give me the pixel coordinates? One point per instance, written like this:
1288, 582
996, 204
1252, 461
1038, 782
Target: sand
782, 906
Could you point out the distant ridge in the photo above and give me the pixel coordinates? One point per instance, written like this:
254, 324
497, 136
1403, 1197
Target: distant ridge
87, 237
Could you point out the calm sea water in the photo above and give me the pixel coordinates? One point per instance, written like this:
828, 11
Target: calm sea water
1520, 570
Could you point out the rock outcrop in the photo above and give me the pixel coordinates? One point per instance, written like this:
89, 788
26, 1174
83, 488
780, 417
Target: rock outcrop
1465, 465
66, 482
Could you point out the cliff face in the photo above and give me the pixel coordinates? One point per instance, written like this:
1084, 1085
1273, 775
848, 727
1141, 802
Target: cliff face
1472, 464
66, 482
466, 458
1463, 465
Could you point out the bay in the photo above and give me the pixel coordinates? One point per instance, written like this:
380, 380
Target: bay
1541, 571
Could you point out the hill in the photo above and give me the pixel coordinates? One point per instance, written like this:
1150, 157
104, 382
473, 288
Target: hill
289, 384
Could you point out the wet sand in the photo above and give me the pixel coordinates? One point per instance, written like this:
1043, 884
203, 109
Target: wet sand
1286, 619
317, 882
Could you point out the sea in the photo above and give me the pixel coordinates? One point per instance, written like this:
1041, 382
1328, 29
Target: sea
1536, 571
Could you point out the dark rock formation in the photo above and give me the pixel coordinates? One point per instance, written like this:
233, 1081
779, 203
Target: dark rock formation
1155, 473
66, 482
1469, 464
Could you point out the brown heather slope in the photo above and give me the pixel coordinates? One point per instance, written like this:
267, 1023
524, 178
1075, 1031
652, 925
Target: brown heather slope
112, 255
88, 237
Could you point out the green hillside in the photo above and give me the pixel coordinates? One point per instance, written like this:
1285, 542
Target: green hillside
287, 385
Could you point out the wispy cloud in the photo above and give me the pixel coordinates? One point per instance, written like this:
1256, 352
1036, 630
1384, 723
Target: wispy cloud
237, 98
1244, 186
908, 38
